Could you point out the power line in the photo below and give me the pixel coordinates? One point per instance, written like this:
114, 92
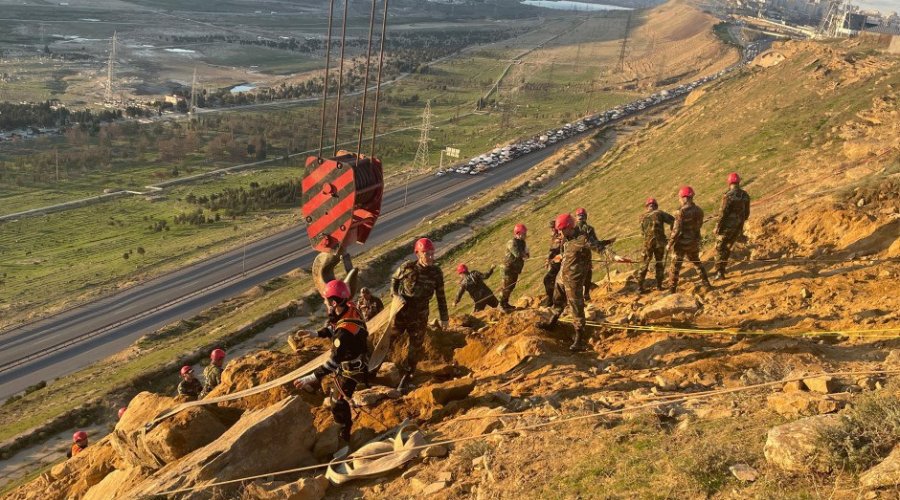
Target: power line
110, 69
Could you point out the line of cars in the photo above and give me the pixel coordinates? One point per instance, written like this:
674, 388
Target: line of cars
501, 155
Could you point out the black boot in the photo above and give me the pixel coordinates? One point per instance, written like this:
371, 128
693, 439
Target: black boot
641, 277
578, 344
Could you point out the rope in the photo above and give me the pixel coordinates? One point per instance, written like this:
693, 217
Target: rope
362, 112
325, 86
378, 81
541, 425
337, 111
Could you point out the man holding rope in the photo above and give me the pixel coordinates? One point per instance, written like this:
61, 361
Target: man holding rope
473, 283
653, 229
349, 354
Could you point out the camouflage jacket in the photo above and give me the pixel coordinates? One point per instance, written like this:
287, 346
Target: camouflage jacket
653, 227
556, 242
212, 376
576, 259
473, 282
417, 284
369, 308
688, 221
516, 253
735, 210
191, 388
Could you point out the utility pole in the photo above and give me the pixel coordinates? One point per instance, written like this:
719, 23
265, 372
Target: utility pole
421, 159
193, 107
832, 20
110, 68
621, 66
57, 165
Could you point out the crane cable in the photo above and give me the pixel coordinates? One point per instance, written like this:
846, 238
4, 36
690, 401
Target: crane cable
340, 88
362, 111
327, 69
378, 80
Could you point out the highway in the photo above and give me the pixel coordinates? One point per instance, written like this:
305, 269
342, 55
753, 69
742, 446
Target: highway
69, 341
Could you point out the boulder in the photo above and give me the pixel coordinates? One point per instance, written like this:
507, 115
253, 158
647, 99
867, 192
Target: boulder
170, 440
804, 404
669, 306
328, 442
475, 422
744, 472
72, 478
885, 474
371, 396
822, 385
312, 488
793, 386
275, 438
117, 483
797, 447
252, 370
389, 374
443, 393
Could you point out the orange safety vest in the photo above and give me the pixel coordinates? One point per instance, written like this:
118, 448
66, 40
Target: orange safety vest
352, 320
76, 449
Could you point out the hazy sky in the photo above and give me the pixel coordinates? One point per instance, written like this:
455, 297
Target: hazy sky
885, 6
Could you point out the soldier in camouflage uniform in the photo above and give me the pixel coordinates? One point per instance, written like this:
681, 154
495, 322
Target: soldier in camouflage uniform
473, 282
368, 304
686, 238
576, 259
735, 211
516, 253
588, 230
553, 259
212, 375
189, 385
653, 228
415, 282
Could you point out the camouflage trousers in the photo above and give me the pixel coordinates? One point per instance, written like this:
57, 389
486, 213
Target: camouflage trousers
566, 294
650, 254
724, 242
407, 345
550, 281
510, 280
691, 253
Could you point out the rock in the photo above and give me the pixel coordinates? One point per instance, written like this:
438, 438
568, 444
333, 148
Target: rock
805, 293
794, 386
416, 485
893, 358
713, 413
744, 472
445, 476
670, 305
866, 383
437, 451
116, 483
473, 426
371, 396
278, 437
796, 446
797, 404
328, 441
72, 478
434, 487
441, 394
168, 441
861, 202
313, 488
252, 370
389, 374
885, 474
822, 385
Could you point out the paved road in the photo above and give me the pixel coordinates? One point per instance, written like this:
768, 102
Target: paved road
72, 340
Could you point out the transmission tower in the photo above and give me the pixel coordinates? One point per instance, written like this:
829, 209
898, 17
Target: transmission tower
421, 160
832, 20
110, 68
621, 66
193, 94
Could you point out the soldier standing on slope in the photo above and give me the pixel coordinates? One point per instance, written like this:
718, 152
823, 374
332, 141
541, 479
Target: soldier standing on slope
415, 282
553, 259
576, 260
588, 230
368, 304
686, 238
735, 211
212, 375
516, 253
653, 229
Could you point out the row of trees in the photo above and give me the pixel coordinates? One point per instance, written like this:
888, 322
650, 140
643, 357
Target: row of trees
240, 201
45, 115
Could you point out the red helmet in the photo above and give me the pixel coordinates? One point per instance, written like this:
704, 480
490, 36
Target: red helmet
564, 221
520, 229
462, 269
217, 355
337, 289
734, 178
122, 411
686, 192
580, 212
186, 369
79, 436
423, 245
651, 201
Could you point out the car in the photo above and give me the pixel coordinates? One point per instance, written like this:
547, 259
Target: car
440, 173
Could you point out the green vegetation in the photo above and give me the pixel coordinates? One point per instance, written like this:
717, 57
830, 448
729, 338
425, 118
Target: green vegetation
867, 432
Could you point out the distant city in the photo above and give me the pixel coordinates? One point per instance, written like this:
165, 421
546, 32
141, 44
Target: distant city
825, 17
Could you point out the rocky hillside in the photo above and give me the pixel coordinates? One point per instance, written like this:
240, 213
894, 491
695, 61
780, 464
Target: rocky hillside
779, 383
